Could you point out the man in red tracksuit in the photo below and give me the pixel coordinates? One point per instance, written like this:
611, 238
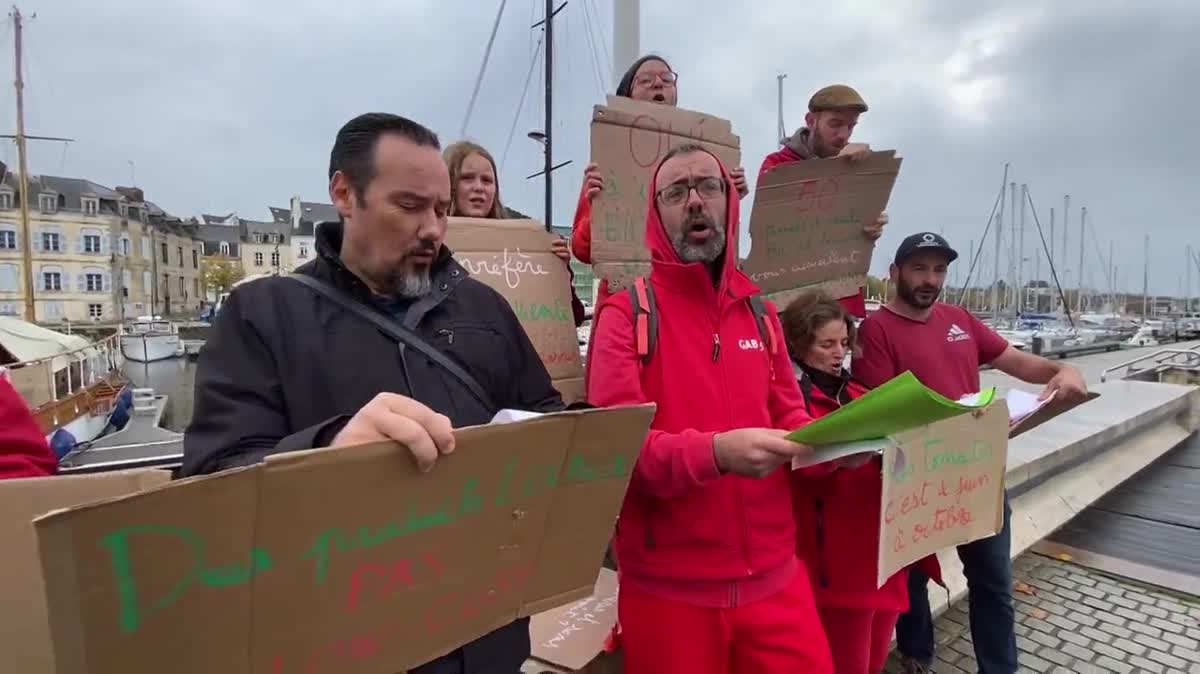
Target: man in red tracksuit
24, 451
710, 582
832, 115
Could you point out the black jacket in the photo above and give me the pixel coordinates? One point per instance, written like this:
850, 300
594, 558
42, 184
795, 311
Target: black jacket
284, 369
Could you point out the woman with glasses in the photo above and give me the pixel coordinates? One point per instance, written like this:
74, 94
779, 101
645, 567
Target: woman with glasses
476, 194
652, 80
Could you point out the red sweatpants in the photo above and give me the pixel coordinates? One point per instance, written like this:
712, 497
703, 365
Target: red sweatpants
778, 635
858, 638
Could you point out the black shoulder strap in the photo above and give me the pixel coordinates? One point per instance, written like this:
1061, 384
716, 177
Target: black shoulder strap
806, 391
394, 330
759, 308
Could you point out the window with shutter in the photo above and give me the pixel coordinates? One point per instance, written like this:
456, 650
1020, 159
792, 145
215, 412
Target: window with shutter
8, 278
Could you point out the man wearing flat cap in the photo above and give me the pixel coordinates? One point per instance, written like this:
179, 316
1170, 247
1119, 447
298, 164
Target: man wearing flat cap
832, 115
943, 345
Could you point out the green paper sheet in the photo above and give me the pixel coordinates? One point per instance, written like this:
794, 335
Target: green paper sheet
901, 403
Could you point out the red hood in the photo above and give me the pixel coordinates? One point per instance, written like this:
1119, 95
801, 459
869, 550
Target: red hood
670, 270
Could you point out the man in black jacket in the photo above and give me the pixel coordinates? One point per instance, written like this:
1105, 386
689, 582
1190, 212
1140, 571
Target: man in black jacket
287, 368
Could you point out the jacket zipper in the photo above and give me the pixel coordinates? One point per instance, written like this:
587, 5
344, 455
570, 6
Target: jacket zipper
822, 576
448, 334
740, 504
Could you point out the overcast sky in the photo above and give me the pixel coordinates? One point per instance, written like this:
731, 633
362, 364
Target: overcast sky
229, 105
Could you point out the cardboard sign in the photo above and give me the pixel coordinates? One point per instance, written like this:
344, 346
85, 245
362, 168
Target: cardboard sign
340, 560
943, 485
571, 637
629, 139
24, 630
514, 258
806, 228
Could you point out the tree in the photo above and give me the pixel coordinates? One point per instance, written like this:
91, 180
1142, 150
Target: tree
219, 274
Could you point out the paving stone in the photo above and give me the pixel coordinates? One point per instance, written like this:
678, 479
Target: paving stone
1110, 664
1174, 662
1077, 620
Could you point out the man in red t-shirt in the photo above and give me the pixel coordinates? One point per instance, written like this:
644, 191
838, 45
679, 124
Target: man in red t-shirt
944, 345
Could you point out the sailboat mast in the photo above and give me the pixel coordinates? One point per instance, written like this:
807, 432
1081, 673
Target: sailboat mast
23, 167
1187, 292
1079, 294
1146, 279
999, 234
1065, 225
779, 98
1021, 251
1012, 252
548, 128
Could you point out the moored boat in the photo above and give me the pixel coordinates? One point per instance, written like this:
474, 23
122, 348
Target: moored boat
150, 338
74, 387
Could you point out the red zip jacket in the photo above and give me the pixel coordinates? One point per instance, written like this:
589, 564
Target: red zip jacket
837, 520
838, 515
855, 304
581, 239
24, 451
686, 532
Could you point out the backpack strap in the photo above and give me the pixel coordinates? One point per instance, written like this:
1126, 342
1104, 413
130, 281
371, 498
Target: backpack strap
765, 328
645, 317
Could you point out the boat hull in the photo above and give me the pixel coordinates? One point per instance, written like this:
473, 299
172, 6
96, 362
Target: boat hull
149, 348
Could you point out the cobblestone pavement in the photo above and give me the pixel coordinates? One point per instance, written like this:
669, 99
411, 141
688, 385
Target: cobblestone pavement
1072, 619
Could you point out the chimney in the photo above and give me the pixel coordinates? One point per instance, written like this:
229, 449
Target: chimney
296, 213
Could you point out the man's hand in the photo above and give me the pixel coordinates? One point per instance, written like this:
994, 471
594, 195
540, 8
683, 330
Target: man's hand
739, 182
874, 230
754, 452
559, 247
1068, 385
855, 151
592, 181
390, 416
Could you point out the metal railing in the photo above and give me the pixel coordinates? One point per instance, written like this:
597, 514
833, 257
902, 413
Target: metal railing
1161, 359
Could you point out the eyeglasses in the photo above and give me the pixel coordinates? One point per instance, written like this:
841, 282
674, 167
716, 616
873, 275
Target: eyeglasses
668, 78
677, 193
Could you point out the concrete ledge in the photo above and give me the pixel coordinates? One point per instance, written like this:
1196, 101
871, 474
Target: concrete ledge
1068, 463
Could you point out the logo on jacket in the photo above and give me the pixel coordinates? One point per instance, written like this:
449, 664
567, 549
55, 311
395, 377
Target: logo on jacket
750, 345
957, 334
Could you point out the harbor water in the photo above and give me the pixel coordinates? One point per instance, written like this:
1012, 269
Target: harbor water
176, 379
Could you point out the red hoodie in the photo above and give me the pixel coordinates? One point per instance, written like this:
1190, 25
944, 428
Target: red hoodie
686, 532
581, 239
24, 451
855, 304
838, 513
837, 517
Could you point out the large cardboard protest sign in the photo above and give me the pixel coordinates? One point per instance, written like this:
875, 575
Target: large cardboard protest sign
25, 644
943, 485
514, 257
806, 227
340, 560
629, 139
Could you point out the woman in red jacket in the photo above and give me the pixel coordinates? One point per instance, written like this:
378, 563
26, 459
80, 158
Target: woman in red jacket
837, 508
652, 80
473, 178
24, 451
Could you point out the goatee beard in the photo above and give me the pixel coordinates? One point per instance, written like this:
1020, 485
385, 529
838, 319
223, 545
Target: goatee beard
709, 251
412, 284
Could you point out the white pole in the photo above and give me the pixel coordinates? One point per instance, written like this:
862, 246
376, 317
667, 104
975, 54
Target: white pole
627, 29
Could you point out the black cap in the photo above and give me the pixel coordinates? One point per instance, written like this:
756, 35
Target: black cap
916, 243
